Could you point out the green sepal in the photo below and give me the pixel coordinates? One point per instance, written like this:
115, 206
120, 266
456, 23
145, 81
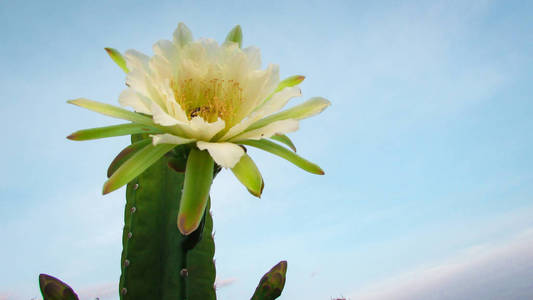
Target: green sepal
117, 58
289, 81
126, 154
55, 289
248, 174
282, 138
113, 111
111, 131
120, 113
272, 283
198, 179
235, 35
182, 35
285, 153
135, 165
304, 110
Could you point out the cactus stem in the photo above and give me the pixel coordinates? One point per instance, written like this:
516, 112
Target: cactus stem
157, 261
184, 273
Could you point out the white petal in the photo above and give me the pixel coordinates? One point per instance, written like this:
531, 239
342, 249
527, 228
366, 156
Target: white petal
161, 117
175, 110
136, 60
170, 104
139, 103
164, 61
202, 130
278, 127
259, 85
166, 138
182, 35
166, 49
138, 81
211, 47
278, 101
254, 57
189, 68
226, 155
160, 66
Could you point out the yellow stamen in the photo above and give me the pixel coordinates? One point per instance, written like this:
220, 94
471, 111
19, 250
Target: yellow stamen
209, 98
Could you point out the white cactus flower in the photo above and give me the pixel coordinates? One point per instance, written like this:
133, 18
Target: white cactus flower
213, 96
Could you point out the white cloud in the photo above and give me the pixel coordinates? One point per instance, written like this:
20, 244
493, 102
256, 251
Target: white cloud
220, 283
483, 272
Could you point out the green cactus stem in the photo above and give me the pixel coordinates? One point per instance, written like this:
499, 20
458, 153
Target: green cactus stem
157, 261
200, 265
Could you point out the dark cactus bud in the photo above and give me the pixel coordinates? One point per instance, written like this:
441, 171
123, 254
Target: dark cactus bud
55, 289
178, 158
272, 283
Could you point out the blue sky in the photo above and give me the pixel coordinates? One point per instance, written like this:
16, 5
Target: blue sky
427, 147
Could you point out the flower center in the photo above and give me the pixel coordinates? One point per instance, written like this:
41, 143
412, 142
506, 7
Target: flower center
209, 98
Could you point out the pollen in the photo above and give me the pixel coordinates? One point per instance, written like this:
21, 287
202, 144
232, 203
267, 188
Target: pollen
210, 99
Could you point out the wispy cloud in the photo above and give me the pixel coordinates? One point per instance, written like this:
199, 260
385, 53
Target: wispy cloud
220, 283
4, 296
483, 272
105, 291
